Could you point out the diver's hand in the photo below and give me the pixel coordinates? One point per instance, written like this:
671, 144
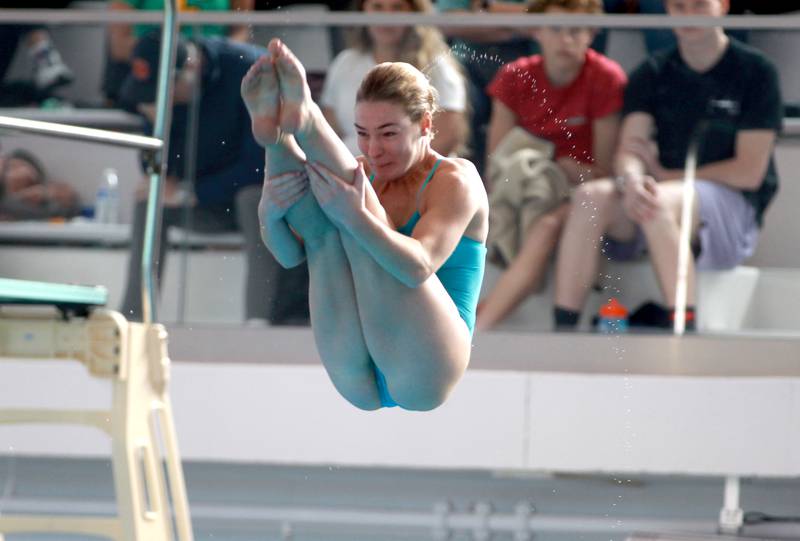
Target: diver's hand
281, 192
340, 200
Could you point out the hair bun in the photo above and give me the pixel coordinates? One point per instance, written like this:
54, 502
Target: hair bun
400, 83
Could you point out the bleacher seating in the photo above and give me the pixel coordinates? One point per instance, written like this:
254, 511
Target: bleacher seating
776, 255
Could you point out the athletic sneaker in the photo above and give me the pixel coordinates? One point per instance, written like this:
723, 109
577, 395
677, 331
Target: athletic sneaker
49, 70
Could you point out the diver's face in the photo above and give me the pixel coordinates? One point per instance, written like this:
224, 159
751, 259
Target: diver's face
387, 36
388, 138
19, 174
563, 48
706, 8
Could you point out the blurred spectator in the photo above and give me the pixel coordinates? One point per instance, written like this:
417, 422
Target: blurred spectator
48, 69
570, 96
654, 38
482, 50
337, 33
657, 39
759, 7
26, 193
123, 37
229, 167
422, 47
709, 85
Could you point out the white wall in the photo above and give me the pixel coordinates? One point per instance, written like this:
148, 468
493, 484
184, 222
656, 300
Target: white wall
495, 420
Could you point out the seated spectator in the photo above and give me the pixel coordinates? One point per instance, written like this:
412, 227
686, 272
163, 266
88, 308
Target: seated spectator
423, 48
481, 51
708, 80
123, 37
229, 168
48, 69
657, 39
26, 193
570, 96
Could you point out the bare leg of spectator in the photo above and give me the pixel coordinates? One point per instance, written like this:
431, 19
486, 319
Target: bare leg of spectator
662, 233
596, 209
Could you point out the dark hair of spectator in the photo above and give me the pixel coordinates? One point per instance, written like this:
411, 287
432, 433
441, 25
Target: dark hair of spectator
580, 6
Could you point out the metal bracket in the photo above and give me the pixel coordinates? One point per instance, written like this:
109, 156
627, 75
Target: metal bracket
441, 529
524, 512
483, 529
731, 516
159, 369
95, 342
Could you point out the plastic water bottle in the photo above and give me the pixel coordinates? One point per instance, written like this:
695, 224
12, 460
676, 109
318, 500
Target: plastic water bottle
613, 317
106, 204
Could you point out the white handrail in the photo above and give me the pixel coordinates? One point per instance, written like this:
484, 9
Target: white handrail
80, 133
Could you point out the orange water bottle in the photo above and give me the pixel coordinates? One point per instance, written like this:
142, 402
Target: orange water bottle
613, 317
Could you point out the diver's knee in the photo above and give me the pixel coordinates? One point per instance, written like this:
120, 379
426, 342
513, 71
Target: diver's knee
422, 399
356, 385
362, 404
425, 403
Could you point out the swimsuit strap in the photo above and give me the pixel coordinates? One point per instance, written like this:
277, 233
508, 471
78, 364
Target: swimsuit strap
421, 188
427, 180
424, 183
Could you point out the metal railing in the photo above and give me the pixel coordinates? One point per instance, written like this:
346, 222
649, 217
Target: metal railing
79, 133
452, 20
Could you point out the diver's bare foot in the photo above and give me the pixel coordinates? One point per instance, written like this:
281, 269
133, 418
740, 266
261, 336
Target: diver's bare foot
261, 94
296, 104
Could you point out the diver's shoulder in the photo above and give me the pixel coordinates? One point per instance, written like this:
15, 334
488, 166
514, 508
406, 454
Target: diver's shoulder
460, 167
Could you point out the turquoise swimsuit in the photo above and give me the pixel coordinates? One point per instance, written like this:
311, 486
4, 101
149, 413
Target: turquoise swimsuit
461, 275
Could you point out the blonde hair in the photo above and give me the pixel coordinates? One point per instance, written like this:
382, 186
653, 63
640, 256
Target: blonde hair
583, 6
402, 84
422, 46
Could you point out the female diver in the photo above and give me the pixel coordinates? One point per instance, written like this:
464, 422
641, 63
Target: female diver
395, 240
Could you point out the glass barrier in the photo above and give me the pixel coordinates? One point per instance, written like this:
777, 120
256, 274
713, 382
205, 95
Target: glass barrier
571, 244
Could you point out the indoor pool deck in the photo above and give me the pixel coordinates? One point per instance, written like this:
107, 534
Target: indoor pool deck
602, 435
257, 502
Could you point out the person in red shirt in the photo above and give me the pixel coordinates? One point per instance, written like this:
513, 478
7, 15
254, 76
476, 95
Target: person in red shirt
571, 96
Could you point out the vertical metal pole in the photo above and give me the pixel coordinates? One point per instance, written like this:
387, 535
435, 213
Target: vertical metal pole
188, 181
684, 235
158, 175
